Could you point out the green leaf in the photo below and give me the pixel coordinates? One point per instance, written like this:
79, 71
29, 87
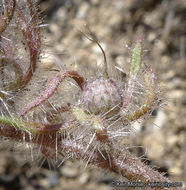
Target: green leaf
136, 58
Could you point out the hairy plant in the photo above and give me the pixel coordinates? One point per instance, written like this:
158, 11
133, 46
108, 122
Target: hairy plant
92, 127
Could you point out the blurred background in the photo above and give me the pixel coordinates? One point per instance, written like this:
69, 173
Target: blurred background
162, 139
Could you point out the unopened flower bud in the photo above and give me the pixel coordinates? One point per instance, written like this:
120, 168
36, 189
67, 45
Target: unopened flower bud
101, 96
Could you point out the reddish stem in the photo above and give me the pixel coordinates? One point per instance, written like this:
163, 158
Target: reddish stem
31, 31
124, 163
7, 16
51, 86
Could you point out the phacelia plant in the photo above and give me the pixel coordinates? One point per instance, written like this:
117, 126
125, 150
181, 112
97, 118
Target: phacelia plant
93, 127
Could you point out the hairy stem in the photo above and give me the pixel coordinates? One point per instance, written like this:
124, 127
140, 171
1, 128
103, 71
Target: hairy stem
7, 15
31, 32
125, 164
150, 87
51, 86
36, 127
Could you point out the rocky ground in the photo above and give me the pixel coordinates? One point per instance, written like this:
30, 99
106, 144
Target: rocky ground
117, 24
